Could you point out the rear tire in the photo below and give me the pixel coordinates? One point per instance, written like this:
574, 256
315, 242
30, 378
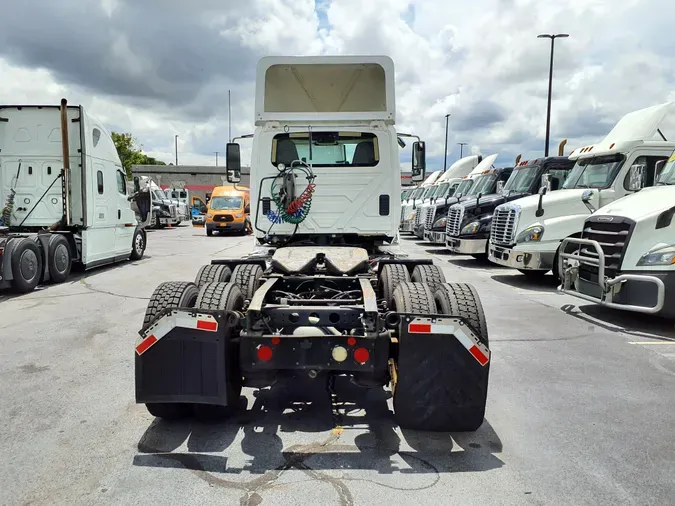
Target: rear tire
212, 273
247, 276
391, 276
437, 389
461, 299
223, 297
138, 245
170, 294
60, 260
26, 264
429, 274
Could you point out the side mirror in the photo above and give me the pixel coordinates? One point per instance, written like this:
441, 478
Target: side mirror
543, 190
233, 162
247, 209
587, 198
636, 177
137, 184
658, 168
500, 186
419, 163
546, 182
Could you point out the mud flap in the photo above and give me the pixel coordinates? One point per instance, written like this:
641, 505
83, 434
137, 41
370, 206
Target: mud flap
442, 370
186, 356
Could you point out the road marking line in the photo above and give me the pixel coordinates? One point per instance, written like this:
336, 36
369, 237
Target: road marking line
652, 342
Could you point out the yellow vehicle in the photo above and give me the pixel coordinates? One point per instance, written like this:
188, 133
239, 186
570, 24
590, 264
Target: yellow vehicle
228, 210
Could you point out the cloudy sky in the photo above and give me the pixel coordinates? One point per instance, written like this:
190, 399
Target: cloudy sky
156, 68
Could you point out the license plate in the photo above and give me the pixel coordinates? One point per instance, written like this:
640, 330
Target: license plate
222, 225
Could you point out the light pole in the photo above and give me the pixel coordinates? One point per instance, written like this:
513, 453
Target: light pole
216, 152
176, 147
550, 82
445, 156
229, 115
461, 149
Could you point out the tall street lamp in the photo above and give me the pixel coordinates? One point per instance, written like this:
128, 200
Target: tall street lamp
445, 156
176, 147
550, 82
461, 149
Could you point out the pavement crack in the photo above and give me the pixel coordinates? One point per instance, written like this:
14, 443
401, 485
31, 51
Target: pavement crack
89, 287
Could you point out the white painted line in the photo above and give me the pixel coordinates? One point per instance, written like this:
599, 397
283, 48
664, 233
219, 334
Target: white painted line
652, 342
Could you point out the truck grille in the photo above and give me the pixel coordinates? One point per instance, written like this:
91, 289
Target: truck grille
455, 215
172, 211
431, 215
223, 217
612, 232
504, 223
405, 211
421, 215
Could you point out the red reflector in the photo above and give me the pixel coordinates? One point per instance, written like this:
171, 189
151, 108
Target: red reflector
264, 353
207, 325
478, 355
419, 328
145, 344
276, 340
361, 355
351, 341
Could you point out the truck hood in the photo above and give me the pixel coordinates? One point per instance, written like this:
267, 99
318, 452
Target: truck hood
556, 204
489, 202
641, 205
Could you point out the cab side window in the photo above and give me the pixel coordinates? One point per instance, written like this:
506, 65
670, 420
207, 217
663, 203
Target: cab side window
558, 176
650, 162
121, 183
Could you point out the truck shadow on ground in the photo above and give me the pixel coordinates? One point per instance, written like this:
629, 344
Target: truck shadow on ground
300, 410
547, 283
626, 322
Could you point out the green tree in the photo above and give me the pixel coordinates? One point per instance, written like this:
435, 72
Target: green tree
131, 153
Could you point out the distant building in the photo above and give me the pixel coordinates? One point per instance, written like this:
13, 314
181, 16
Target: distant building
199, 180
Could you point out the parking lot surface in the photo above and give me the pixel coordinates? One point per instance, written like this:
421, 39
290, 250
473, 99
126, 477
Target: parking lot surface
580, 406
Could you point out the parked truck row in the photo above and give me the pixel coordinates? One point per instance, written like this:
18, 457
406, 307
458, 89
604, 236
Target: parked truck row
585, 216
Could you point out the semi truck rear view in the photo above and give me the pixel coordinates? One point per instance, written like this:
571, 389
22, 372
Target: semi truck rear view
324, 292
65, 197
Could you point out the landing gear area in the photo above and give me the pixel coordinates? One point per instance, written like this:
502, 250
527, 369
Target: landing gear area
317, 313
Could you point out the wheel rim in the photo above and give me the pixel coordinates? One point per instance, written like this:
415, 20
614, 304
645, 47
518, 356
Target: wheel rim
28, 265
138, 243
61, 258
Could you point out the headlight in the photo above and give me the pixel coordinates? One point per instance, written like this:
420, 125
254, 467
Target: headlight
238, 215
531, 234
471, 228
663, 255
209, 216
440, 223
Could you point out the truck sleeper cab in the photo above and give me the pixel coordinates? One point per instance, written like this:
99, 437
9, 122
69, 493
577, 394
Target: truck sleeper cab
469, 223
65, 195
527, 234
228, 209
625, 257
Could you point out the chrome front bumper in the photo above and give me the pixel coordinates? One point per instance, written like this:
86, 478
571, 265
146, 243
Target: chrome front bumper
434, 237
508, 257
408, 226
466, 246
606, 289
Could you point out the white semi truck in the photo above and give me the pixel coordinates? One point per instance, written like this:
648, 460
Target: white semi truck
409, 208
625, 258
324, 293
65, 197
527, 234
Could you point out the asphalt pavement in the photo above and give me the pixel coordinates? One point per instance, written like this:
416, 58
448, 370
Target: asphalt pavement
580, 406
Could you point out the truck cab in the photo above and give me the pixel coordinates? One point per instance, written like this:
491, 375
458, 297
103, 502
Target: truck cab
527, 234
468, 227
228, 209
481, 179
625, 257
410, 208
446, 189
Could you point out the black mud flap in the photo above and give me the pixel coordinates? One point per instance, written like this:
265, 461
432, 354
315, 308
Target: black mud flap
184, 357
441, 376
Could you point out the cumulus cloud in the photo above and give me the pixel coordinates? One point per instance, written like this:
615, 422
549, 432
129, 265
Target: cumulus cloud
158, 68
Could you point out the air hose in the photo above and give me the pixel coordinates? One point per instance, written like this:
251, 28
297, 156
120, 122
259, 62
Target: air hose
8, 209
298, 209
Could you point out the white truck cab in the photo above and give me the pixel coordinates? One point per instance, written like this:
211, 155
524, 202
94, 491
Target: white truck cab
625, 258
409, 209
527, 234
446, 187
325, 152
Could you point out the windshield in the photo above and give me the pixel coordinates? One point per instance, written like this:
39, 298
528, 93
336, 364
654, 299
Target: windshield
158, 195
597, 172
521, 180
225, 203
483, 184
441, 190
344, 149
428, 192
464, 187
667, 175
